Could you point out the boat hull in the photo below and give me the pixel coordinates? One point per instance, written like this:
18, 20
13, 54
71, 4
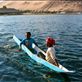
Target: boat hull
59, 69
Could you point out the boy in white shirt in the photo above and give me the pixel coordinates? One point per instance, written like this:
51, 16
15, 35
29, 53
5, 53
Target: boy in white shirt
50, 53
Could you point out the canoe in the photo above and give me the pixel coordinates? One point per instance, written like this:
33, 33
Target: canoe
60, 69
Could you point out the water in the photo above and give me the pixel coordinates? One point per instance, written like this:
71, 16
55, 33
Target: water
18, 67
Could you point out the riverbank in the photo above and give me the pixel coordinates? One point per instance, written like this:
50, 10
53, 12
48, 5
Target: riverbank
44, 7
29, 12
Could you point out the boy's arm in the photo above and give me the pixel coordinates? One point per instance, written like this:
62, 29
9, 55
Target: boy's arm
22, 42
35, 43
54, 59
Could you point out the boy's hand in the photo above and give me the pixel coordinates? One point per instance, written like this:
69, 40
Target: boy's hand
20, 49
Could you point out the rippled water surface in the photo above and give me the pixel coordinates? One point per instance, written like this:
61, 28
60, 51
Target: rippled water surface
16, 66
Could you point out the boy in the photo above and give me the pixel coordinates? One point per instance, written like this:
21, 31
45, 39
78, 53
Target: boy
50, 53
28, 42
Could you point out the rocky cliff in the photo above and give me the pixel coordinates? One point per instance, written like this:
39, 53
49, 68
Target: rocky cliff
45, 5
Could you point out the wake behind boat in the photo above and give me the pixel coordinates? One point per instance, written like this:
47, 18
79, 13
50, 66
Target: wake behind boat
59, 69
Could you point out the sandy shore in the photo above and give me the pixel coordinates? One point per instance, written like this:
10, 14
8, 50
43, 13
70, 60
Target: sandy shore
45, 6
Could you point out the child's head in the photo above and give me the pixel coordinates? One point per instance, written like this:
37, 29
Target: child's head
50, 42
28, 34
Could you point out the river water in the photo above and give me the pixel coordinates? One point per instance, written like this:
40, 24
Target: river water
16, 66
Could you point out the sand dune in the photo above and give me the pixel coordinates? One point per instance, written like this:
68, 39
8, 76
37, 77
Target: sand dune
47, 5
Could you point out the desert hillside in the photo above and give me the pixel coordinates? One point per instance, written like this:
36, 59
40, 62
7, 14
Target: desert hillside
45, 5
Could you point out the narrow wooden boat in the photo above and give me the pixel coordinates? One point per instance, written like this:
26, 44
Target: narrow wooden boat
60, 69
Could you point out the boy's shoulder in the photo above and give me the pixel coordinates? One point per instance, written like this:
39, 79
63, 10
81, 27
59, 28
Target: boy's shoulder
51, 48
32, 39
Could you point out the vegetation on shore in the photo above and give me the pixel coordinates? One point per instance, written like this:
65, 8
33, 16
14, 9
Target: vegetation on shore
11, 11
41, 7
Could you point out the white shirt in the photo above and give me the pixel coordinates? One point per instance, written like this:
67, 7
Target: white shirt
50, 54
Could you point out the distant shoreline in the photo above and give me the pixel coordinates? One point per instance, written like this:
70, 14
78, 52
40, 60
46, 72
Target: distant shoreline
38, 13
12, 11
26, 7
20, 13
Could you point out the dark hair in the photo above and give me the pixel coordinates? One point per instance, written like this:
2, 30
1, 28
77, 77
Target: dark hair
28, 33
